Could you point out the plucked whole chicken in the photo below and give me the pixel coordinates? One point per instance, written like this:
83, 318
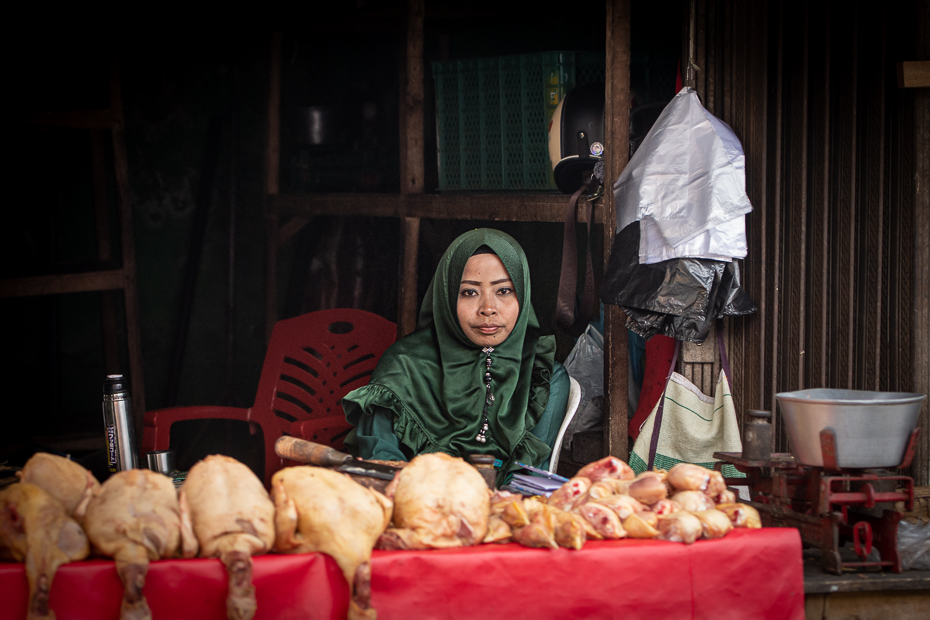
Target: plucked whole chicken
440, 501
232, 517
36, 529
326, 511
67, 481
134, 518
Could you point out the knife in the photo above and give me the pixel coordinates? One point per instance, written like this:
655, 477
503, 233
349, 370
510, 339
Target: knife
317, 454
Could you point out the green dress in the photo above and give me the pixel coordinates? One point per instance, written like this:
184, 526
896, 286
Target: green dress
427, 393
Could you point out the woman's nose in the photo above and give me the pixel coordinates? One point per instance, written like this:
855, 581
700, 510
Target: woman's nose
488, 308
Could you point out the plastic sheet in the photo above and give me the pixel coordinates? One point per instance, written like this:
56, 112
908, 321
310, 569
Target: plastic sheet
687, 184
585, 364
914, 545
679, 298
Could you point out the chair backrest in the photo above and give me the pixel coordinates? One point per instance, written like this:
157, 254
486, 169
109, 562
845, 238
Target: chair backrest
313, 360
574, 398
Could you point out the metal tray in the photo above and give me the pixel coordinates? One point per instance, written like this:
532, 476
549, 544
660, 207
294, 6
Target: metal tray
872, 428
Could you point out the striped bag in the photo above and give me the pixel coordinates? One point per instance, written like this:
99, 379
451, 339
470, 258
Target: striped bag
687, 426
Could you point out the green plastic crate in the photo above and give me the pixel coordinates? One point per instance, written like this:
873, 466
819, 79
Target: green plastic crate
492, 117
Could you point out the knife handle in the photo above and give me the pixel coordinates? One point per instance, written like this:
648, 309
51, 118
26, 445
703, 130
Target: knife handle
309, 452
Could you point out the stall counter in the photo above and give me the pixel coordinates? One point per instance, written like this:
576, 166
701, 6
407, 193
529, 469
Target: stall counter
747, 574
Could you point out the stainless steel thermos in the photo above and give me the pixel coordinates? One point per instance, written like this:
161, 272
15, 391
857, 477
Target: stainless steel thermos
118, 422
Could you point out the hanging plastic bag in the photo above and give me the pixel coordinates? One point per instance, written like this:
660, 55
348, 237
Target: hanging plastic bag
914, 545
679, 298
686, 183
585, 364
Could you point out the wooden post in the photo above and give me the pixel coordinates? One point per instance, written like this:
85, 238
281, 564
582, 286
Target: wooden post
617, 130
272, 187
411, 163
124, 207
920, 342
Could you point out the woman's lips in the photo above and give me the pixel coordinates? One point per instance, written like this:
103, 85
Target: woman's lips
488, 329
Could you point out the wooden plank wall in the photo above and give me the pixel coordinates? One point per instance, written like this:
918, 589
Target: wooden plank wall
833, 149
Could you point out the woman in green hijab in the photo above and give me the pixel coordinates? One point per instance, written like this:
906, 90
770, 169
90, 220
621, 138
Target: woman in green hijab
475, 377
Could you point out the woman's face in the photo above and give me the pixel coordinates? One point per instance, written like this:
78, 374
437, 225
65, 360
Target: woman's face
487, 302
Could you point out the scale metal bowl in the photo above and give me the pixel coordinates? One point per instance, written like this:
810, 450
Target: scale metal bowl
871, 428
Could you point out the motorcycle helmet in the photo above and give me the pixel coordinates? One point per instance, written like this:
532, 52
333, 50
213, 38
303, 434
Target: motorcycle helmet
576, 136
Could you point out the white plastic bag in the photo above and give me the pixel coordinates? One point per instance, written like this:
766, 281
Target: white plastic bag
686, 184
914, 545
585, 364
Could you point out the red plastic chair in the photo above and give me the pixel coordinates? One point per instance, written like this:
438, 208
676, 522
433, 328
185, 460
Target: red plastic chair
313, 360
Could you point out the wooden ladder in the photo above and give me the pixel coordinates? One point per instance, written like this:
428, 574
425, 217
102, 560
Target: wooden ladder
108, 274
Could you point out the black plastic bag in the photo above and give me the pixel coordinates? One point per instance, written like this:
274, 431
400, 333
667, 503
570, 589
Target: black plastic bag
679, 298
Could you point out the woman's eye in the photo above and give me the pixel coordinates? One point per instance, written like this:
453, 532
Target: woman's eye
468, 292
505, 291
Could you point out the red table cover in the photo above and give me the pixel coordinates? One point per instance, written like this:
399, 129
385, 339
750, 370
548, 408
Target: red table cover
748, 574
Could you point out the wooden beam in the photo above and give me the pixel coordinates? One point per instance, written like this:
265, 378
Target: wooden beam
128, 274
412, 168
920, 341
62, 283
493, 207
272, 187
914, 74
407, 293
617, 130
73, 119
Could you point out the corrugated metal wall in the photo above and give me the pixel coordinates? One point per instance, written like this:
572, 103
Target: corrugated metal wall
810, 89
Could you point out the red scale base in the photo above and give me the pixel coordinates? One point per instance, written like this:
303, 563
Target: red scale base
828, 505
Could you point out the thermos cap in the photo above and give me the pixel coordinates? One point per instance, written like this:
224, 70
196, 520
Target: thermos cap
114, 384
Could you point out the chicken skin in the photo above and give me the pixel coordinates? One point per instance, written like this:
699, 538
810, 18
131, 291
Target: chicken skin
36, 529
326, 511
134, 518
440, 501
68, 482
232, 517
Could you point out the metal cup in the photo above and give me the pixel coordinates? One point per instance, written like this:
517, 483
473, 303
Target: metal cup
161, 461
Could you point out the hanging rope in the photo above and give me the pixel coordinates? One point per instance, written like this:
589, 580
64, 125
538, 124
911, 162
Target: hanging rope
691, 67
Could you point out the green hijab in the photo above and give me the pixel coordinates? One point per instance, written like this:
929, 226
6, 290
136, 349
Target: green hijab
433, 379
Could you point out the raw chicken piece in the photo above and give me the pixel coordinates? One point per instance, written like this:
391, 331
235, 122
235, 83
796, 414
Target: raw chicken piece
598, 490
232, 517
623, 505
649, 487
500, 499
726, 497
604, 520
688, 477
69, 483
564, 497
741, 515
716, 524
693, 501
716, 486
665, 507
36, 529
607, 467
540, 532
134, 518
642, 525
440, 501
498, 531
509, 508
680, 527
325, 511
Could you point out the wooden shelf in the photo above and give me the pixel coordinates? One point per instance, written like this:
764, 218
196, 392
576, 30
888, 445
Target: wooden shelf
501, 207
74, 119
63, 283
